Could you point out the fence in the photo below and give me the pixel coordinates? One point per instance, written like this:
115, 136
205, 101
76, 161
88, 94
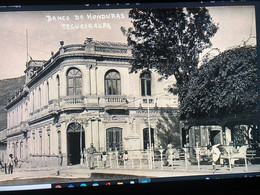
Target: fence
160, 159
142, 159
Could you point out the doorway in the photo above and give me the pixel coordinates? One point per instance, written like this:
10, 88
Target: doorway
215, 137
76, 143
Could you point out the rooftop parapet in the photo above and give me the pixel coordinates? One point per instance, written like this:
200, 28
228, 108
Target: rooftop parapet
91, 48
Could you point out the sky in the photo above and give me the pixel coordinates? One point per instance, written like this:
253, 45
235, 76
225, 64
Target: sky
46, 29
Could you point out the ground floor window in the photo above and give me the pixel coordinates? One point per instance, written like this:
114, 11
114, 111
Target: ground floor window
146, 137
114, 139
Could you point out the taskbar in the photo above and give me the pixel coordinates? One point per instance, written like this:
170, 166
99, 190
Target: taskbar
156, 180
87, 184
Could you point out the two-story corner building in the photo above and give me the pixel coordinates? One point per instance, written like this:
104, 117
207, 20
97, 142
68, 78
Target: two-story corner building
86, 94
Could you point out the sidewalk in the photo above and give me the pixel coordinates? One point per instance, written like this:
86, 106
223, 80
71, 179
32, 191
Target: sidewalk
78, 171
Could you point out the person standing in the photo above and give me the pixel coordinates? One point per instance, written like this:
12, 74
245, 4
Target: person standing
104, 159
10, 163
90, 151
16, 162
215, 155
60, 158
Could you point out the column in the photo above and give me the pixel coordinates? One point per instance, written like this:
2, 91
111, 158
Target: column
96, 79
64, 143
88, 133
90, 80
26, 150
102, 135
21, 150
93, 79
88, 87
95, 133
32, 142
48, 142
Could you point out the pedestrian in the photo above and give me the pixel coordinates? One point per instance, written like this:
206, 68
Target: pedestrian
6, 168
120, 158
215, 152
2, 166
15, 162
125, 156
10, 163
104, 159
84, 156
60, 158
90, 151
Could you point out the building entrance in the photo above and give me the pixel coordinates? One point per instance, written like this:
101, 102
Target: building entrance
215, 137
75, 143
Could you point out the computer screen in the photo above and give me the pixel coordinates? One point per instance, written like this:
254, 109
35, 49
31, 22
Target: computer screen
112, 94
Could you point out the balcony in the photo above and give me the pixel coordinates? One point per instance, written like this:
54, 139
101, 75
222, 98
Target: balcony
79, 103
72, 102
114, 102
54, 106
115, 99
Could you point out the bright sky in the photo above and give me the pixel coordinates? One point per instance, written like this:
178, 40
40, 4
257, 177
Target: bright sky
44, 34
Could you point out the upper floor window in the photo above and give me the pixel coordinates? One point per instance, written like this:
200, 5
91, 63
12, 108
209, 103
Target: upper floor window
74, 82
112, 83
48, 92
145, 83
58, 85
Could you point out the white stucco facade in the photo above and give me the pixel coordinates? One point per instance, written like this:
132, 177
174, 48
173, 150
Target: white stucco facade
71, 100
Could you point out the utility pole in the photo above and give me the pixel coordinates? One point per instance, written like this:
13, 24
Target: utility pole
150, 136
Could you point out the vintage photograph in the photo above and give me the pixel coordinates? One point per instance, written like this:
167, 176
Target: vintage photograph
128, 93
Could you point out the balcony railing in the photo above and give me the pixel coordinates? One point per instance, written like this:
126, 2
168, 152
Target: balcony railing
70, 102
73, 100
115, 99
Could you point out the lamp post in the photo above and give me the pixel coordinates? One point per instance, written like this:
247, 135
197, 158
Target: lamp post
149, 133
81, 151
161, 153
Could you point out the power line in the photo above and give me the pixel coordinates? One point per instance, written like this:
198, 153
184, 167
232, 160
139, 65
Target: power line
31, 37
21, 45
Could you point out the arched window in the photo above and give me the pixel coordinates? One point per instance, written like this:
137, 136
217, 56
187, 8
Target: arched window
112, 83
74, 82
33, 101
58, 85
146, 83
146, 138
40, 98
48, 92
74, 128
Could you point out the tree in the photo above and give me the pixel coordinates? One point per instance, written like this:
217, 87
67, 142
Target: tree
168, 130
224, 87
224, 91
170, 40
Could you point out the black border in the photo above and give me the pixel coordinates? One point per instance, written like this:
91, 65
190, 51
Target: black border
210, 187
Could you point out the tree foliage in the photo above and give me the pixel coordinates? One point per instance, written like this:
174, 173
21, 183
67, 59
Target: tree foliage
168, 130
223, 87
169, 40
